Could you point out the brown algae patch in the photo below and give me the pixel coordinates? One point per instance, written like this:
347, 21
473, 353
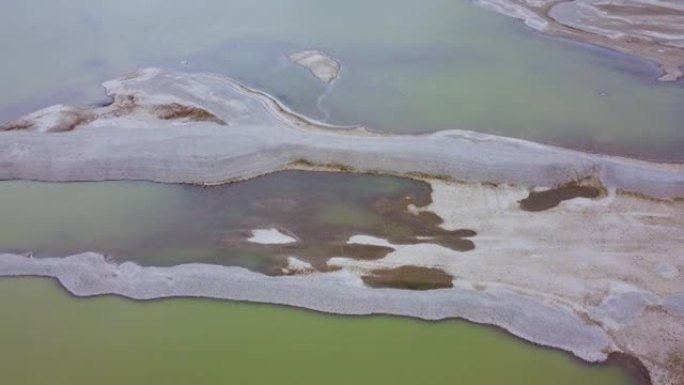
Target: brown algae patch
63, 118
18, 125
409, 278
548, 199
175, 111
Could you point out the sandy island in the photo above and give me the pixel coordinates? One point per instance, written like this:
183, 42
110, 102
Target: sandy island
576, 251
651, 29
321, 65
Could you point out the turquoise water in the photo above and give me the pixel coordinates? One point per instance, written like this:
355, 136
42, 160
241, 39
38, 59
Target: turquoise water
408, 66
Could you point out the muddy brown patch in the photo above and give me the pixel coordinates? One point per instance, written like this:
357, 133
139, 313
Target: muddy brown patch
175, 111
424, 225
71, 120
17, 125
548, 199
409, 278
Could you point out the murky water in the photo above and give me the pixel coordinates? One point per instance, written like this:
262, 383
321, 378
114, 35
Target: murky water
408, 66
157, 224
51, 338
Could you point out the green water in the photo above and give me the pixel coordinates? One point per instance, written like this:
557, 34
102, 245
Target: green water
48, 337
408, 66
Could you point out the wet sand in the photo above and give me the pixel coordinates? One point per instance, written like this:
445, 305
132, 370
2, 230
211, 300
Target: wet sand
653, 30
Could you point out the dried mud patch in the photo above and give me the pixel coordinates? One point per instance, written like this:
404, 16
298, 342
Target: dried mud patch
176, 111
409, 278
548, 199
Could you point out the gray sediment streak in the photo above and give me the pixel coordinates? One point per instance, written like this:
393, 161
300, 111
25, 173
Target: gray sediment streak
261, 137
90, 274
651, 29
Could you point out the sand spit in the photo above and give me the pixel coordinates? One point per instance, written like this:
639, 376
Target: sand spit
652, 29
260, 136
590, 275
322, 66
90, 274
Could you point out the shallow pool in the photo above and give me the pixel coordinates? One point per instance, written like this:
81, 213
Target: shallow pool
162, 224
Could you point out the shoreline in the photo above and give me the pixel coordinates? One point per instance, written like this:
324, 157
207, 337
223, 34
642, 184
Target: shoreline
602, 24
632, 366
90, 274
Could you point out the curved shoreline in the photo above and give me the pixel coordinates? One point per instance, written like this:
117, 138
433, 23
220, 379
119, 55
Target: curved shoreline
608, 24
90, 274
172, 127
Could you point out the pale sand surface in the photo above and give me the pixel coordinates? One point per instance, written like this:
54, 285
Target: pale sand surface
602, 259
589, 276
128, 140
270, 237
321, 65
652, 29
